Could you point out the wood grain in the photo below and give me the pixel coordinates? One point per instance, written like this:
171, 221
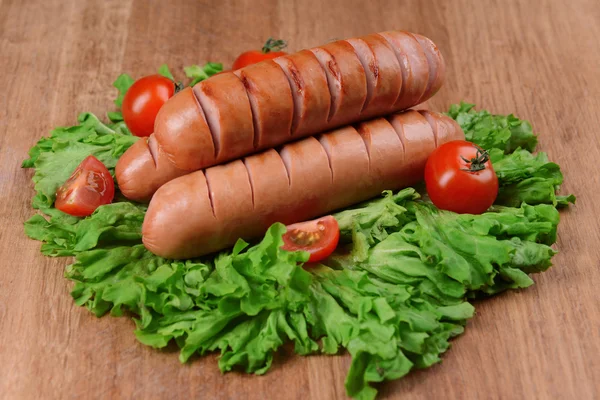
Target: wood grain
538, 60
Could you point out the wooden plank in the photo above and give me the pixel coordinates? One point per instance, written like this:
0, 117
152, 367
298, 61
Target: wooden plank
537, 60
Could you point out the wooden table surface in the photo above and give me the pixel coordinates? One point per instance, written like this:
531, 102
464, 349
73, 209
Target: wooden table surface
537, 59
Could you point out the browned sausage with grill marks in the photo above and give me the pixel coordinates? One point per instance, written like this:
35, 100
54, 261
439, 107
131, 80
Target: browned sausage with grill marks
206, 211
234, 114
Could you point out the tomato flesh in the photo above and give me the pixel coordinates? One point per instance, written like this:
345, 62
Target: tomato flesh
454, 185
89, 187
143, 100
318, 237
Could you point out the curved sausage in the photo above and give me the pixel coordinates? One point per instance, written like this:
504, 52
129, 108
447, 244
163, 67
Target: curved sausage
206, 211
270, 101
310, 93
383, 72
151, 164
414, 66
234, 114
346, 79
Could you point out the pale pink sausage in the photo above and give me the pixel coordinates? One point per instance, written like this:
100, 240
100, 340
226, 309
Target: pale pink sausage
270, 101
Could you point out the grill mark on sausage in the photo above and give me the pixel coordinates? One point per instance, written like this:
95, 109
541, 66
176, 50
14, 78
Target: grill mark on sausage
249, 89
296, 88
364, 134
405, 73
210, 194
367, 66
152, 147
399, 132
432, 123
285, 165
255, 133
332, 71
432, 67
320, 140
215, 140
250, 180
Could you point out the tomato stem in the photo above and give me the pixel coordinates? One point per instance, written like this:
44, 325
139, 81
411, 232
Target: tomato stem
178, 87
274, 45
477, 163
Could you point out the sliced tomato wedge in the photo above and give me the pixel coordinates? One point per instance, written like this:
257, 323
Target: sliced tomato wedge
319, 237
89, 187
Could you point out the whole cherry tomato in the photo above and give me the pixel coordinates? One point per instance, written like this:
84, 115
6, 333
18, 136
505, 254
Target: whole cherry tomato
143, 100
459, 177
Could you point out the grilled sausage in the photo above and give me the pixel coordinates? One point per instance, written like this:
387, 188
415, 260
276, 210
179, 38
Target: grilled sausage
234, 114
208, 210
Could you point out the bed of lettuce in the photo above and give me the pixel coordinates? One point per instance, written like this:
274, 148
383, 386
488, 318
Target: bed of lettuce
393, 295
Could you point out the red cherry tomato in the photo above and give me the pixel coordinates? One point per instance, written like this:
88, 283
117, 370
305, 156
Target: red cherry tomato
143, 100
271, 49
319, 237
459, 177
89, 187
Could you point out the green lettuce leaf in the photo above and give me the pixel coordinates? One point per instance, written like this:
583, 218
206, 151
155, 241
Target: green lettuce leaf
197, 73
122, 83
55, 158
488, 131
523, 177
393, 295
166, 72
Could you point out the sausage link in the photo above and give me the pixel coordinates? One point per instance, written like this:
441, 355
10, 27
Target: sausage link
234, 114
206, 211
